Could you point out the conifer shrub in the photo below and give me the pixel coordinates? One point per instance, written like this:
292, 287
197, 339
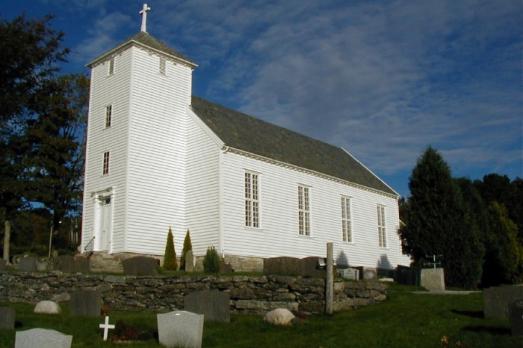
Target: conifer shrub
169, 260
211, 261
187, 245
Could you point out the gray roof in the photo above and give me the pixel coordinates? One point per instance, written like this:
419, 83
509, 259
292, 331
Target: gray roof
250, 134
148, 40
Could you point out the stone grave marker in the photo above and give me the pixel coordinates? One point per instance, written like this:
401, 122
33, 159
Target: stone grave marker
180, 329
306, 267
27, 264
42, 338
349, 273
189, 261
85, 303
369, 274
7, 318
47, 307
496, 300
3, 265
516, 317
214, 304
140, 266
433, 279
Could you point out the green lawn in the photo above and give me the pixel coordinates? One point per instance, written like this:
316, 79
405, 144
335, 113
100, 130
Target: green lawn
404, 320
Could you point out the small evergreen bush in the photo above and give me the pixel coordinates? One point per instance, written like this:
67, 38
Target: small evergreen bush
187, 245
211, 261
169, 260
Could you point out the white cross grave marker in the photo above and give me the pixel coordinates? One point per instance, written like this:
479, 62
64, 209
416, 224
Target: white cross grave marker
143, 12
106, 327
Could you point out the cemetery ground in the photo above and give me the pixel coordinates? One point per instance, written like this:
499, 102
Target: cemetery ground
403, 320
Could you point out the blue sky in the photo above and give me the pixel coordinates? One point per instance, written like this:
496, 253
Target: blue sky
383, 79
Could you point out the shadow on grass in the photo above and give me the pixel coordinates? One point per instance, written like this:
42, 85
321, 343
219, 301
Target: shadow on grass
471, 314
493, 330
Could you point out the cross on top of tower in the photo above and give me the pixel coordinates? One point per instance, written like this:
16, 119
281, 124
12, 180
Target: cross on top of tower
143, 12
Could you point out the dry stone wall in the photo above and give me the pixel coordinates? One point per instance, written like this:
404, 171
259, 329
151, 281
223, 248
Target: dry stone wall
248, 294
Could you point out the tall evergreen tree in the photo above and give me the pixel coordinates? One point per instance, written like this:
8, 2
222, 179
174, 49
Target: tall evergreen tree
437, 222
169, 259
187, 245
29, 54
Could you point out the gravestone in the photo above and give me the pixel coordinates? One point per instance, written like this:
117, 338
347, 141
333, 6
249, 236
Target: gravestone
7, 318
140, 266
47, 307
85, 303
180, 329
27, 264
349, 273
189, 261
214, 304
496, 300
516, 317
70, 264
406, 275
370, 274
42, 338
433, 279
306, 267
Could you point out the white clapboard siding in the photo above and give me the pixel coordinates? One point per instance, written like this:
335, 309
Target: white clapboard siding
157, 147
105, 90
202, 191
278, 233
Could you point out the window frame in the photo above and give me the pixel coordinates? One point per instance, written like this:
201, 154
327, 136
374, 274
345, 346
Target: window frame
110, 67
382, 229
105, 163
108, 115
251, 198
304, 210
347, 234
162, 66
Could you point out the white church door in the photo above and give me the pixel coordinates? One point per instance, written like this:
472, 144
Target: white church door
105, 223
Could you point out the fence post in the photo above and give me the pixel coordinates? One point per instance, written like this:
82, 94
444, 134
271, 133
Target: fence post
329, 282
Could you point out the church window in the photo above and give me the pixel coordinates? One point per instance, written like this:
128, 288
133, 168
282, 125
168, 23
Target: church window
252, 202
346, 223
304, 215
108, 115
162, 65
381, 227
110, 70
105, 170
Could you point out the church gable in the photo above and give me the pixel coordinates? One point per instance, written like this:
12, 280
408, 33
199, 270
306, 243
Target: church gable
252, 135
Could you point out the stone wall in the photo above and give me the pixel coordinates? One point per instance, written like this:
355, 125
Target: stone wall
249, 294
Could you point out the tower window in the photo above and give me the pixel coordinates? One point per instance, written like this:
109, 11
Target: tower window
110, 70
162, 65
105, 170
108, 115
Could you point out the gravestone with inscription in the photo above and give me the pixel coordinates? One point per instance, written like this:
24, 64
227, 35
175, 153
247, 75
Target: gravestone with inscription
86, 303
496, 300
180, 329
214, 304
42, 338
140, 266
7, 318
433, 279
27, 264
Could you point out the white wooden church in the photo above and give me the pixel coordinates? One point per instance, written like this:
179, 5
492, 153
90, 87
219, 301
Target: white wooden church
157, 156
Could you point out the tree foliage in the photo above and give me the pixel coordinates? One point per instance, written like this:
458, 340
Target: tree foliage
187, 245
438, 222
169, 259
211, 261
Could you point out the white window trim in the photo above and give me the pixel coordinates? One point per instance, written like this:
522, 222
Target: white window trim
382, 226
348, 219
250, 224
306, 210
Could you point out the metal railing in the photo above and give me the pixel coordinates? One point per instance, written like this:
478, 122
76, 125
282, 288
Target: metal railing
89, 247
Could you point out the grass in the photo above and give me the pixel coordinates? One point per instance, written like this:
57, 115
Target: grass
404, 320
